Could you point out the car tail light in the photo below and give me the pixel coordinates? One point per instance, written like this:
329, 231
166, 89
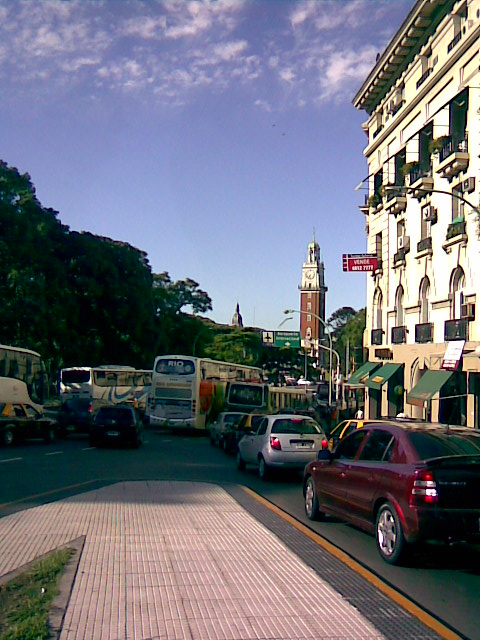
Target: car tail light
90, 408
275, 443
424, 488
324, 443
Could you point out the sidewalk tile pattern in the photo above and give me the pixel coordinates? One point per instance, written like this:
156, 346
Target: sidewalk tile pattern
179, 560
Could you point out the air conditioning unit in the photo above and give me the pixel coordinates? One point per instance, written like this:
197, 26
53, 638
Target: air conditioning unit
429, 213
467, 311
403, 242
468, 185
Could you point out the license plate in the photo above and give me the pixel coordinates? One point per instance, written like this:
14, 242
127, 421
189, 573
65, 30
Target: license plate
304, 445
113, 433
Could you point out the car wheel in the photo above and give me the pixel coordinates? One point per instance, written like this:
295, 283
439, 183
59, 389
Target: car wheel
391, 542
311, 501
7, 437
49, 435
241, 465
263, 469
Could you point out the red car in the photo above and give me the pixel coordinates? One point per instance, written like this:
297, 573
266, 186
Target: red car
402, 482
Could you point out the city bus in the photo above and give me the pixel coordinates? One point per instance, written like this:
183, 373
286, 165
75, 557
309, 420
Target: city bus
27, 366
189, 392
111, 384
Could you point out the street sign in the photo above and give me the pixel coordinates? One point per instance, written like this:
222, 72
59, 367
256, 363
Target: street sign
288, 339
360, 262
268, 338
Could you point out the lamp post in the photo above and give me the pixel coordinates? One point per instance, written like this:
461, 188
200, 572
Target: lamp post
288, 311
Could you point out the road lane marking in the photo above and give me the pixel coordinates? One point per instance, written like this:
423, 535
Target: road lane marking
88, 448
47, 493
11, 459
54, 453
390, 592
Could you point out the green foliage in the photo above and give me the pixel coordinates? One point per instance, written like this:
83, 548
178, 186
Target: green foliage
348, 327
26, 600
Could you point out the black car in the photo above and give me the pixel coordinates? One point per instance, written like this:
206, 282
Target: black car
75, 416
235, 432
119, 423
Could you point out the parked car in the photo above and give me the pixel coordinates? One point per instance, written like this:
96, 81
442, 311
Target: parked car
20, 420
404, 482
75, 416
282, 441
224, 419
119, 423
235, 432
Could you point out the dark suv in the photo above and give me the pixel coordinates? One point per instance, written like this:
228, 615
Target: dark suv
403, 482
118, 423
75, 416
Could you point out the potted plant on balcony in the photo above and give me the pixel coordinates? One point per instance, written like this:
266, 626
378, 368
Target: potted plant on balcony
436, 144
374, 200
408, 168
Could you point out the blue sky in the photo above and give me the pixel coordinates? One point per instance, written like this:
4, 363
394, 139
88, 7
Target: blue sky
215, 136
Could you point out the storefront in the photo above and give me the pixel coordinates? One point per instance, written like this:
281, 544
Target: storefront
448, 389
385, 391
355, 386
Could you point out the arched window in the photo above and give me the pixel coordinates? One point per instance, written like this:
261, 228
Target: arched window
400, 315
377, 309
424, 302
457, 285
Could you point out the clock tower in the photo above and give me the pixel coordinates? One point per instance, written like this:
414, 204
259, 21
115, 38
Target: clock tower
312, 301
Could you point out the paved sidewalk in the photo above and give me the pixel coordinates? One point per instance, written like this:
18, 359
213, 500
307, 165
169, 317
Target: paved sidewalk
179, 560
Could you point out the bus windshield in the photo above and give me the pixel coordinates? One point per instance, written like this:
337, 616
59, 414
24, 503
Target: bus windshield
180, 367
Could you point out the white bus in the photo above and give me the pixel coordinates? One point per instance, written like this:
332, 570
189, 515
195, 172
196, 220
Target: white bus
27, 366
107, 383
188, 392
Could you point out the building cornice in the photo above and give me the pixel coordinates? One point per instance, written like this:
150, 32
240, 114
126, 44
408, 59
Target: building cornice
417, 27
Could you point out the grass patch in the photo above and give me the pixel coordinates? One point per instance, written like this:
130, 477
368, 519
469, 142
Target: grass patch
25, 601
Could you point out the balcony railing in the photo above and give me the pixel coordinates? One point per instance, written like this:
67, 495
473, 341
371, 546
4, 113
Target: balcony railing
424, 77
418, 173
460, 144
399, 335
399, 258
456, 329
425, 244
457, 228
424, 332
454, 42
377, 336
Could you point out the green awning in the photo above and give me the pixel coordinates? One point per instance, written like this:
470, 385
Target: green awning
382, 375
358, 377
429, 384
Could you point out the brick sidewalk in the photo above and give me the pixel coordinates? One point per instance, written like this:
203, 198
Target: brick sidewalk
178, 560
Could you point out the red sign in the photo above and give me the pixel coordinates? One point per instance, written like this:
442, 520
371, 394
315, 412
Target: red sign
360, 262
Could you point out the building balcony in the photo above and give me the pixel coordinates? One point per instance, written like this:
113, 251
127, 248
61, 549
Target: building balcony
456, 234
456, 329
395, 201
425, 246
379, 270
377, 336
453, 43
453, 157
423, 77
399, 335
420, 182
365, 207
399, 259
424, 332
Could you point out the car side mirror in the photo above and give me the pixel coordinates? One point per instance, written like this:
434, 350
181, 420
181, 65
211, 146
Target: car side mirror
324, 455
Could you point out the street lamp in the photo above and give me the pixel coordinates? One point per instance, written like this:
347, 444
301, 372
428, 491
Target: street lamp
288, 311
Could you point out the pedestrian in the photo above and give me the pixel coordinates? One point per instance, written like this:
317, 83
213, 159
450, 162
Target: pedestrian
359, 414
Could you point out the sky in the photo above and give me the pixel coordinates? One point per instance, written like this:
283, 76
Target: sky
219, 137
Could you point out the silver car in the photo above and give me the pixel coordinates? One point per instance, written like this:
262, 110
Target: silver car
282, 441
224, 419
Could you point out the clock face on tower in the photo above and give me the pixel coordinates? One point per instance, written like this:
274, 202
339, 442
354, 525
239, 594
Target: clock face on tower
310, 275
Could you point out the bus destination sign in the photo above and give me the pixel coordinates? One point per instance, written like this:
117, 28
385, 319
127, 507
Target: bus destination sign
360, 262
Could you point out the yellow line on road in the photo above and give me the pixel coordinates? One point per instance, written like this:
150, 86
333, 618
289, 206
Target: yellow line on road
394, 595
46, 493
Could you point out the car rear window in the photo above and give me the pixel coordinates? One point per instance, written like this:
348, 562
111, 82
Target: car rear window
122, 416
232, 418
436, 445
294, 425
